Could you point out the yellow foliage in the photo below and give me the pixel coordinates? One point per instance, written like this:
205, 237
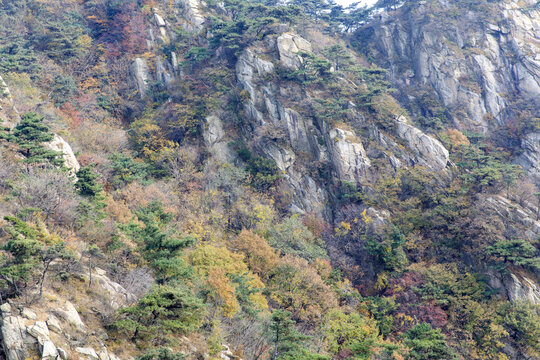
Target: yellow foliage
343, 228
382, 281
366, 218
217, 278
151, 140
298, 288
219, 266
84, 41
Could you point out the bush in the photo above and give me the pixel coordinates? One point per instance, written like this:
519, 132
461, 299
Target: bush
264, 172
523, 323
291, 236
517, 252
161, 354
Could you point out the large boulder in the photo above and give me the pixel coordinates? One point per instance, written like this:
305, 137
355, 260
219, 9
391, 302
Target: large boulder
71, 316
40, 331
87, 353
348, 155
13, 331
289, 45
54, 324
60, 145
115, 294
48, 351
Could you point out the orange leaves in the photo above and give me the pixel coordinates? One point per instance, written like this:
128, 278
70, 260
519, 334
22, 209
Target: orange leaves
298, 288
224, 291
260, 257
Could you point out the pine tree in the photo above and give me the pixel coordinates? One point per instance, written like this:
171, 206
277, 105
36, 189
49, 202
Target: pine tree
30, 135
161, 248
288, 342
87, 185
427, 343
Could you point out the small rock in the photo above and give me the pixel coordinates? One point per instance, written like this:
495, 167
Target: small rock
63, 353
87, 353
40, 331
103, 355
5, 308
29, 314
54, 324
49, 351
100, 271
159, 20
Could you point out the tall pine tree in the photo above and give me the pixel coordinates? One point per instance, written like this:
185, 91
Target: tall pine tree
30, 135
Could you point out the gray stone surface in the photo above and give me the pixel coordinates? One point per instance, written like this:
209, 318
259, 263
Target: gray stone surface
141, 75
87, 353
39, 330
13, 330
70, 315
49, 351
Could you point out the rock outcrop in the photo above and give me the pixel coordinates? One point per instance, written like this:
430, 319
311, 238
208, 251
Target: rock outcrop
141, 76
522, 289
289, 45
470, 63
60, 145
427, 151
191, 14
279, 114
352, 162
13, 330
9, 116
530, 158
71, 316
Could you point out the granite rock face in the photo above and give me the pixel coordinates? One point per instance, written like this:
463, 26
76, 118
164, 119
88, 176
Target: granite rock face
470, 62
289, 45
141, 75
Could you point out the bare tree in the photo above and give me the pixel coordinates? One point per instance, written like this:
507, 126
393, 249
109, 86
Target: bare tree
138, 282
49, 190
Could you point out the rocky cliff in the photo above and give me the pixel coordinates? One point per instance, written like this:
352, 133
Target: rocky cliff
400, 145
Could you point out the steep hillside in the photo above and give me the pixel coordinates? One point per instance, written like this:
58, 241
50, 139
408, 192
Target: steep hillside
259, 180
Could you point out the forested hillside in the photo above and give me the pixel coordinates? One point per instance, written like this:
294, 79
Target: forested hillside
264, 180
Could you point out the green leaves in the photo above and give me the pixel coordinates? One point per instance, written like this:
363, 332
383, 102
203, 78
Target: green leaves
518, 252
159, 246
19, 57
427, 344
166, 310
30, 135
482, 167
288, 343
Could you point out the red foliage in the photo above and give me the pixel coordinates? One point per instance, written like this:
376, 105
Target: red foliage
74, 120
316, 225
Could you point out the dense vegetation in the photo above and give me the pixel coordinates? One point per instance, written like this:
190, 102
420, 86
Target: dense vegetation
218, 256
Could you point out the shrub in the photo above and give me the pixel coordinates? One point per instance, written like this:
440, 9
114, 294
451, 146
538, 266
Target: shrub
291, 236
